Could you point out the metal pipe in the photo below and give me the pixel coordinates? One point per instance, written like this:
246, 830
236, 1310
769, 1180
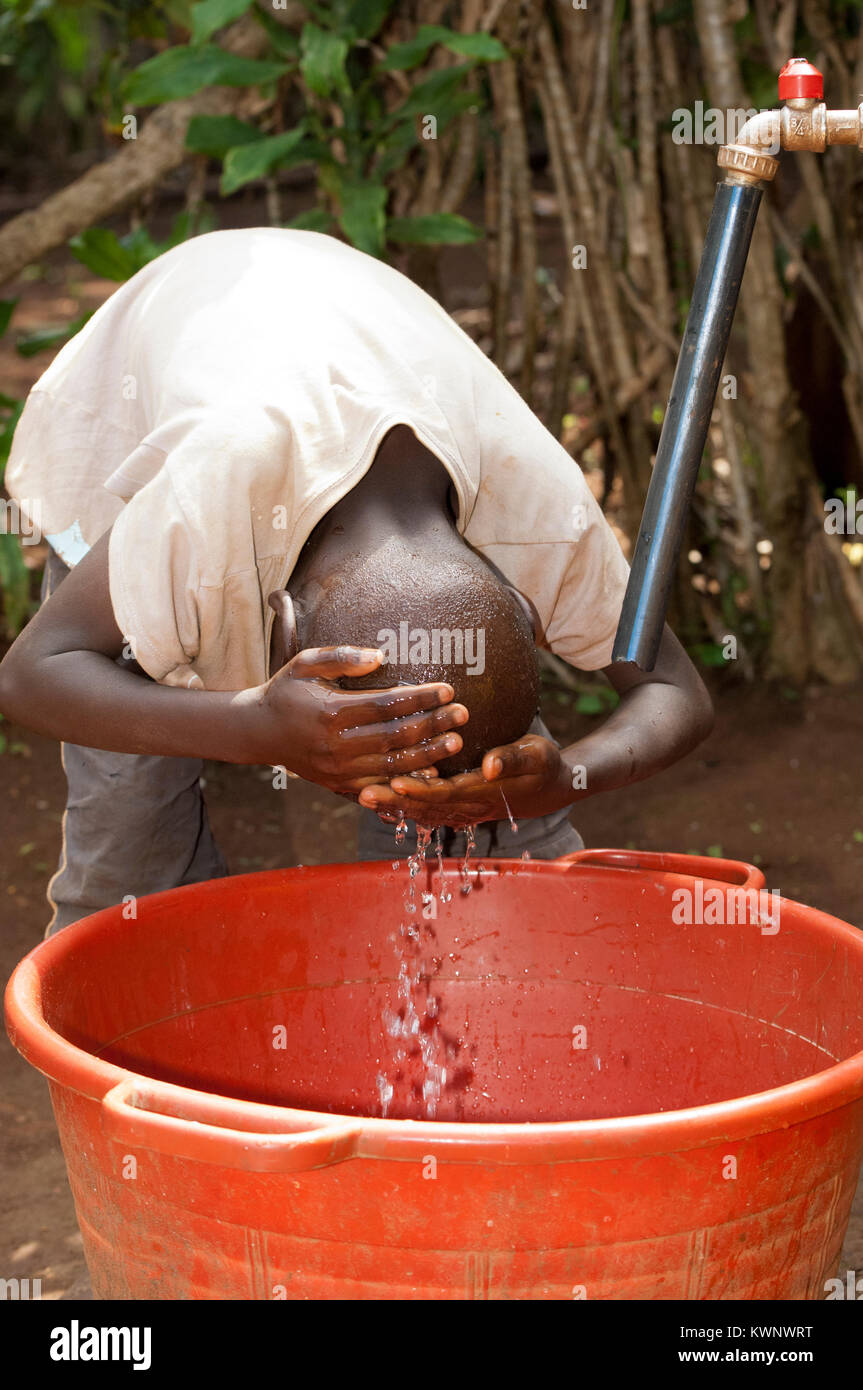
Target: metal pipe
684, 429
803, 123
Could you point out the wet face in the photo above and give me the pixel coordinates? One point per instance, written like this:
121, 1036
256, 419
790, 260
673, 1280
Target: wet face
439, 615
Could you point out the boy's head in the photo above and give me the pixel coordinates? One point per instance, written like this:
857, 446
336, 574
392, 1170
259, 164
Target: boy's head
438, 614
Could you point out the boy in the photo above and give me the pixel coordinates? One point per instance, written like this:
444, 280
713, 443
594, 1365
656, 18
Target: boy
262, 459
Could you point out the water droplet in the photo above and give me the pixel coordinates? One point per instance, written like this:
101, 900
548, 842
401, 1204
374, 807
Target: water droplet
513, 824
470, 846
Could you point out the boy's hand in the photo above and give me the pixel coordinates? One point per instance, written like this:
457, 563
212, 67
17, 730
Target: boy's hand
530, 774
661, 715
348, 739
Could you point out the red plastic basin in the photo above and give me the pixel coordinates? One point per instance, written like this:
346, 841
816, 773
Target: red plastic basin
639, 1108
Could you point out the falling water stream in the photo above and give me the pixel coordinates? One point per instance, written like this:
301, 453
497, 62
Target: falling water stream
414, 1023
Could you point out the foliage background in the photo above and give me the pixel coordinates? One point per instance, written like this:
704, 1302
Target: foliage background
517, 130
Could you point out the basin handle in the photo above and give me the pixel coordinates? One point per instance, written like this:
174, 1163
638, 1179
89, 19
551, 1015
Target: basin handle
186, 1124
734, 871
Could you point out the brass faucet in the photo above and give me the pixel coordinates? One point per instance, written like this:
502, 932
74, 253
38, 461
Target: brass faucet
803, 123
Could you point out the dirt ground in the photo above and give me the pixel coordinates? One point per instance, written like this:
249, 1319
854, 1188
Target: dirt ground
776, 783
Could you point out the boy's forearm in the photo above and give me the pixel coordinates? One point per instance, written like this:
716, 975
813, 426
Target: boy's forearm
86, 698
653, 726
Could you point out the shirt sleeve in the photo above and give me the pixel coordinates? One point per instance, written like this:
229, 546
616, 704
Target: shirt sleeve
153, 583
584, 618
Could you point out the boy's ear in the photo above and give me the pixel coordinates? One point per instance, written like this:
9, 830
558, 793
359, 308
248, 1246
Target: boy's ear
283, 642
529, 611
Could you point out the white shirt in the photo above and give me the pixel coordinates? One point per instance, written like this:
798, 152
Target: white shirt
226, 397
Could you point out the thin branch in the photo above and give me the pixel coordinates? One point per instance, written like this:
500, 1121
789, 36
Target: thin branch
648, 170
662, 335
515, 154
600, 86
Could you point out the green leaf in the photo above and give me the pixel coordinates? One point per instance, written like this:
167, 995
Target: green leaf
215, 14
433, 229
410, 54
709, 653
428, 96
141, 247
393, 149
598, 701
365, 17
215, 135
312, 220
73, 32
7, 308
322, 60
8, 430
362, 216
50, 337
188, 224
247, 162
179, 12
101, 251
321, 13
589, 704
180, 72
480, 48
14, 585
119, 258
285, 42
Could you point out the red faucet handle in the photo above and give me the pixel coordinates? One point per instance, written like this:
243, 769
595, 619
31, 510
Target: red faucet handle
800, 79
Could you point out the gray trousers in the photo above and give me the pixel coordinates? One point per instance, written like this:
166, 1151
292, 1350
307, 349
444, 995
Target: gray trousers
133, 824
136, 824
